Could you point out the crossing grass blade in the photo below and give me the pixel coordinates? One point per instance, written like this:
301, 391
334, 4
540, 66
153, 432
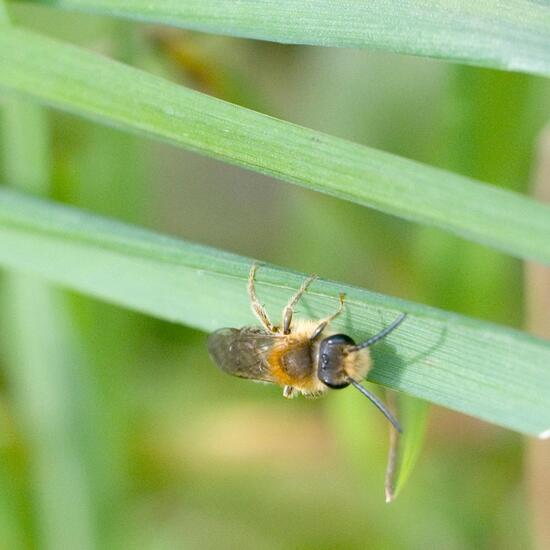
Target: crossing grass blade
482, 33
405, 448
93, 86
494, 373
44, 363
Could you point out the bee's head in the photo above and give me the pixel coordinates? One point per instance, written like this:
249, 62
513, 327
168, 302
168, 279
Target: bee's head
332, 354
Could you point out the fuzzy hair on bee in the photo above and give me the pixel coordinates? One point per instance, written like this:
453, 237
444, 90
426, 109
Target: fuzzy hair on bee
303, 356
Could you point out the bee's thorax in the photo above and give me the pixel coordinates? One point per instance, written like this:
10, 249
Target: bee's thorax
299, 362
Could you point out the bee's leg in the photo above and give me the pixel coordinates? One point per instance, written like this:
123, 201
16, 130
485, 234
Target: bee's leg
289, 392
257, 308
289, 309
325, 322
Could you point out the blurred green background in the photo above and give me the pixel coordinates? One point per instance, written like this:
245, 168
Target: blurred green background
116, 431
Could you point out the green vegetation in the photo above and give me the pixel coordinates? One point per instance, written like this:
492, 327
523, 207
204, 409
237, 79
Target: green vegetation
88, 84
115, 428
480, 33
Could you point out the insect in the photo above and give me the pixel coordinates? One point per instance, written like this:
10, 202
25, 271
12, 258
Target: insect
303, 356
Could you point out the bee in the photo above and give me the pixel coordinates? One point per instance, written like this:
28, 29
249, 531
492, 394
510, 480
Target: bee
304, 356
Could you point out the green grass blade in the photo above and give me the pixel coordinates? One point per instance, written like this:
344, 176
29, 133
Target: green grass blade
44, 376
497, 374
43, 360
4, 18
12, 503
479, 33
93, 86
405, 448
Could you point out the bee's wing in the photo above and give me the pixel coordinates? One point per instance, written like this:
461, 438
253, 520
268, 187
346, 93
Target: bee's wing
243, 352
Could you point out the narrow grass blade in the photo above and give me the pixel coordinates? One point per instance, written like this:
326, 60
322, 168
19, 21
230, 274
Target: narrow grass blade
537, 298
4, 18
88, 84
405, 447
497, 374
44, 367
479, 33
12, 504
44, 371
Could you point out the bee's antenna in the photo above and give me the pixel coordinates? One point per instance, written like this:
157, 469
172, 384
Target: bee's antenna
382, 334
381, 407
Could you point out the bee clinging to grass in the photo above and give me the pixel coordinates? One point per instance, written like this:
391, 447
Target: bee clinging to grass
303, 356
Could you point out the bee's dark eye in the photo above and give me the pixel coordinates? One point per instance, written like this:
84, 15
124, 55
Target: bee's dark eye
330, 369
